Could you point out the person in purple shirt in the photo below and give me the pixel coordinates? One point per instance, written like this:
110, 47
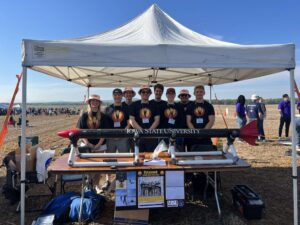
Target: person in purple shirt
284, 108
241, 111
298, 106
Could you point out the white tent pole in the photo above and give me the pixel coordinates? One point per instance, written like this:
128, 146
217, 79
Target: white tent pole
88, 92
294, 153
23, 145
210, 94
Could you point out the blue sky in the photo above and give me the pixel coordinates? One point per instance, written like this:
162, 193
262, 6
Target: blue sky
243, 22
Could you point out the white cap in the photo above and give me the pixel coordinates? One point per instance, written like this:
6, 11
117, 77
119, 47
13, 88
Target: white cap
254, 97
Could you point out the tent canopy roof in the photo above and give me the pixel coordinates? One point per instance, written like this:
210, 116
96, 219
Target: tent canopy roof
152, 48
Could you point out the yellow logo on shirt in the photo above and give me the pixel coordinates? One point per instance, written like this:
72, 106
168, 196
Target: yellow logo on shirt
199, 111
117, 116
145, 113
170, 113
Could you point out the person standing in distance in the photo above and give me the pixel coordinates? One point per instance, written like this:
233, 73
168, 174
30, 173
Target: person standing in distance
284, 108
241, 111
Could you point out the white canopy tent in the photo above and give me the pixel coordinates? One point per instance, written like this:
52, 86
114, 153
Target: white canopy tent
154, 48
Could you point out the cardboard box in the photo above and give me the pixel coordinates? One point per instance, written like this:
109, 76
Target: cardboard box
136, 216
28, 148
30, 163
30, 158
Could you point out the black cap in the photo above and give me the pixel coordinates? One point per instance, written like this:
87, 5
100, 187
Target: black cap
285, 96
117, 91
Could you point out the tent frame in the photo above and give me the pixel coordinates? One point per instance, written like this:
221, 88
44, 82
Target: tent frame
23, 145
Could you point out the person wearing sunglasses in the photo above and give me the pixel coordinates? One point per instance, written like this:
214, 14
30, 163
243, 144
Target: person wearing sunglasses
144, 114
184, 103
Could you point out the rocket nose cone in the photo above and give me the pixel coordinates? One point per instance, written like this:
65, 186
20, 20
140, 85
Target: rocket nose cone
66, 133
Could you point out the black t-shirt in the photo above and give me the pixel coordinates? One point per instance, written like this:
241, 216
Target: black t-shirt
82, 124
171, 116
117, 116
126, 106
144, 113
200, 113
159, 106
184, 108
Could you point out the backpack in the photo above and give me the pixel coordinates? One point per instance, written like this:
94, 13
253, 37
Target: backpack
91, 207
60, 206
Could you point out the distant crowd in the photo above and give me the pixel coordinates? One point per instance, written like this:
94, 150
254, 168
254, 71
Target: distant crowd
37, 111
33, 111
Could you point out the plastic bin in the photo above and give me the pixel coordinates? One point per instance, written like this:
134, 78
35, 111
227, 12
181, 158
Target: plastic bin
247, 202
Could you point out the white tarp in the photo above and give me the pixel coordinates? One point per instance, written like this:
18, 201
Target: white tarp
153, 47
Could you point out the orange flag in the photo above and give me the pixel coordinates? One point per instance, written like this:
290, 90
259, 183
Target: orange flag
4, 127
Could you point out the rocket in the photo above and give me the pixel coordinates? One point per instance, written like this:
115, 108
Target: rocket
247, 133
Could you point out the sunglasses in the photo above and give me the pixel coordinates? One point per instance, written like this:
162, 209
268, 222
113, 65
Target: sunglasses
145, 92
184, 95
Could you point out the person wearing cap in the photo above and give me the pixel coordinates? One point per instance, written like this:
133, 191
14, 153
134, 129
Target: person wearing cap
118, 119
184, 103
158, 92
200, 115
254, 112
284, 108
145, 115
94, 119
171, 112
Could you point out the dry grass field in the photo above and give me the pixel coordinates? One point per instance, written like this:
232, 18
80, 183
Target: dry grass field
269, 175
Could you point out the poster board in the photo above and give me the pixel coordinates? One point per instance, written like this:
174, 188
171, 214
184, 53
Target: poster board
146, 189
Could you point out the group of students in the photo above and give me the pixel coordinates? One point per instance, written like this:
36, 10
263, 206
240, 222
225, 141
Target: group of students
148, 114
256, 110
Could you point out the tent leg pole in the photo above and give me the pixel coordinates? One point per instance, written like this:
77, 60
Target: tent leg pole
294, 153
23, 145
88, 92
210, 97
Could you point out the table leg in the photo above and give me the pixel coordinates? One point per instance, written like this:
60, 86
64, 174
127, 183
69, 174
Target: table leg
216, 193
81, 199
214, 183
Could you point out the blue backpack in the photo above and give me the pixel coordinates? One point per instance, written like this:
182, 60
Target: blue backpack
60, 206
91, 207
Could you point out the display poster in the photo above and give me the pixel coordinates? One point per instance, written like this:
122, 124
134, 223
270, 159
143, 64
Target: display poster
126, 190
174, 188
151, 189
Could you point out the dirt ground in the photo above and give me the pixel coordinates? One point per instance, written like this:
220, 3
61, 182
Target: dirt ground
269, 175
